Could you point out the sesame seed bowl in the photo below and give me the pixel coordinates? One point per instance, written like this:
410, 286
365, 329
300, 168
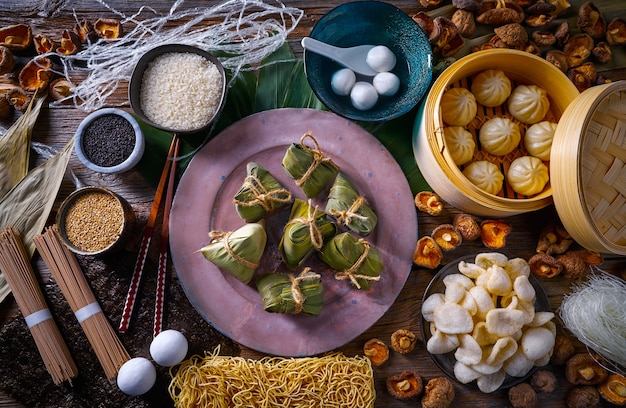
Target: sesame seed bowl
178, 88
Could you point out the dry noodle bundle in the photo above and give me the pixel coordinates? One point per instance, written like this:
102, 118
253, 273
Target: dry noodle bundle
15, 265
67, 273
222, 381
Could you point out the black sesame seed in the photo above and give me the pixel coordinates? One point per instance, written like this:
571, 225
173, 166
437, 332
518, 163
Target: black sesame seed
108, 140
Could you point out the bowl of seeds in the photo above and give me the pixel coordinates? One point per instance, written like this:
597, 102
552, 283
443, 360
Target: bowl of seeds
109, 140
94, 220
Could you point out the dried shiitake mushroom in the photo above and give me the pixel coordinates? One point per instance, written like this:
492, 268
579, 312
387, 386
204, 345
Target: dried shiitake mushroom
539, 20
60, 88
500, 12
108, 28
427, 253
18, 98
439, 393
543, 38
544, 266
430, 3
377, 351
447, 237
424, 21
591, 21
428, 202
544, 381
522, 396
7, 61
541, 7
467, 5
613, 390
494, 233
403, 341
468, 226
563, 349
602, 53
583, 369
36, 74
464, 22
583, 397
513, 34
43, 44
558, 59
445, 37
70, 43
616, 32
562, 34
554, 239
583, 76
405, 385
577, 262
578, 49
16, 37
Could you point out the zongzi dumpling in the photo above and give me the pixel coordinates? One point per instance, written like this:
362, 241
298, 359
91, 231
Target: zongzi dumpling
291, 294
309, 167
260, 194
237, 252
350, 208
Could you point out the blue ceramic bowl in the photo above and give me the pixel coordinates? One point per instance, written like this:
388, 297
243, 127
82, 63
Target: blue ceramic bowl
376, 23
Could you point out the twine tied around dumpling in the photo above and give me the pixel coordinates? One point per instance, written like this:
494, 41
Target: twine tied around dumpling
344, 217
317, 240
224, 236
296, 292
351, 273
318, 158
261, 196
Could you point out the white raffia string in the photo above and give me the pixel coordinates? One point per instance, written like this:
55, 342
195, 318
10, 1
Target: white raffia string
246, 30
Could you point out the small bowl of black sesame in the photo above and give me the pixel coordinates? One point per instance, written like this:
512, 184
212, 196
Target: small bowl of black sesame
109, 140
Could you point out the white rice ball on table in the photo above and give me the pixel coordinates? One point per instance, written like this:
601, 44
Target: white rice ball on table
363, 95
136, 376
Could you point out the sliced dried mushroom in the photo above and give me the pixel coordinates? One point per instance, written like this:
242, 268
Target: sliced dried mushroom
425, 22
578, 49
558, 59
70, 43
438, 393
563, 349
108, 28
43, 44
85, 31
403, 341
561, 6
583, 76
377, 351
533, 48
591, 21
583, 397
544, 381
447, 237
36, 74
16, 37
602, 53
513, 34
18, 98
543, 38
613, 390
522, 396
500, 12
428, 202
427, 253
539, 20
544, 266
583, 369
562, 34
554, 239
464, 22
7, 61
494, 233
616, 32
468, 226
445, 37
405, 385
60, 88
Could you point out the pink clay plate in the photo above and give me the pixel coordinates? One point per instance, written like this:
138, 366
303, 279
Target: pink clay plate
203, 202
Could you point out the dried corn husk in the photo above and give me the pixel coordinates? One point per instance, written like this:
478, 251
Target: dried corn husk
237, 252
27, 206
349, 207
305, 232
291, 294
15, 147
311, 169
260, 194
354, 259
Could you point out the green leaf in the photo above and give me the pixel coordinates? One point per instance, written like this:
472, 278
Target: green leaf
240, 100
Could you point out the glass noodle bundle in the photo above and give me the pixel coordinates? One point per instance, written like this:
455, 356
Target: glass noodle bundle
355, 260
237, 252
291, 294
309, 167
333, 380
305, 232
260, 194
15, 265
67, 273
349, 207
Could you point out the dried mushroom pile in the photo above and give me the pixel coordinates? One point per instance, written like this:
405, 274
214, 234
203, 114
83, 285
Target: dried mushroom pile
529, 25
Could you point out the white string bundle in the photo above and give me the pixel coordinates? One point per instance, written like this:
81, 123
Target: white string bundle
245, 30
595, 312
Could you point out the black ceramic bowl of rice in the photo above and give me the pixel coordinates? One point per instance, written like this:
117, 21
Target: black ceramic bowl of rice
178, 88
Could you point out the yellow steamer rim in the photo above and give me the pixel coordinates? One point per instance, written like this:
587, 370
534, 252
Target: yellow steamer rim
588, 168
432, 156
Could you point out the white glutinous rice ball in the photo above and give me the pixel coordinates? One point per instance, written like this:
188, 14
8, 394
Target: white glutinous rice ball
363, 95
381, 59
169, 348
136, 376
386, 83
342, 81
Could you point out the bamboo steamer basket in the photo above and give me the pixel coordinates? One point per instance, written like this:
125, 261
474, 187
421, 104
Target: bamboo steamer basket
588, 168
432, 156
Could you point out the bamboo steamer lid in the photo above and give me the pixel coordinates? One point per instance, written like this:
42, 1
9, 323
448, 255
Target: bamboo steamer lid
588, 168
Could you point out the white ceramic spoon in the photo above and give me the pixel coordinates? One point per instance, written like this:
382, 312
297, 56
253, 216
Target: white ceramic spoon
350, 57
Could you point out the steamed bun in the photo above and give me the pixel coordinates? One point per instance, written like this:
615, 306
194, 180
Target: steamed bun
460, 144
485, 175
528, 103
538, 139
499, 136
528, 175
491, 87
458, 106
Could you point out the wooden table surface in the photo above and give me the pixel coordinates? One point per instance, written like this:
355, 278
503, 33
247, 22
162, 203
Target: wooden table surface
57, 125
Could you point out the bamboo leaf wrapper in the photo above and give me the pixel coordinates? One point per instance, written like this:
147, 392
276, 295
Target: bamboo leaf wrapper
260, 194
289, 294
349, 207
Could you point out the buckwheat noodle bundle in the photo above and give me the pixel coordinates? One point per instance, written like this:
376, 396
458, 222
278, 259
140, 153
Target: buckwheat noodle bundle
223, 381
67, 273
15, 265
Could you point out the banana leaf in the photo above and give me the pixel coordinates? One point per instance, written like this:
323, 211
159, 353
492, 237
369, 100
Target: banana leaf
349, 207
289, 294
260, 194
311, 169
353, 259
237, 252
305, 232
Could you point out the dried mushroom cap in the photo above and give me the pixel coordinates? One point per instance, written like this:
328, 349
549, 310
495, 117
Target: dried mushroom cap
43, 44
430, 3
558, 59
562, 34
539, 20
36, 74
467, 5
405, 385
445, 37
85, 31
544, 266
108, 28
543, 38
18, 98
494, 233
70, 43
602, 53
613, 390
60, 88
522, 396
583, 76
428, 202
376, 351
500, 12
513, 34
583, 397
540, 7
616, 32
544, 381
464, 22
427, 253
7, 61
561, 6
438, 393
468, 226
578, 49
403, 341
563, 349
576, 263
591, 21
16, 37
425, 22
582, 369
554, 239
447, 236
